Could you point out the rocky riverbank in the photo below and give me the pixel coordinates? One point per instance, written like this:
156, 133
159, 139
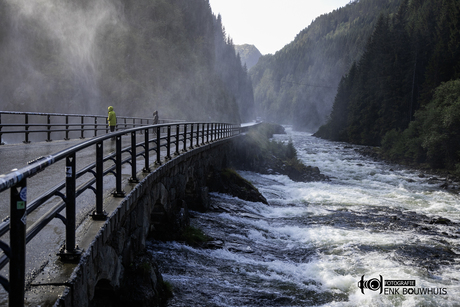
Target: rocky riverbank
254, 152
257, 153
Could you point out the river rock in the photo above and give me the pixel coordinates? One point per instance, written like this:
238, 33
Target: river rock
230, 182
440, 221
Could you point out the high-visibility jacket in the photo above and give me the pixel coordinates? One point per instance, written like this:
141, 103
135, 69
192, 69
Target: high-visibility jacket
112, 119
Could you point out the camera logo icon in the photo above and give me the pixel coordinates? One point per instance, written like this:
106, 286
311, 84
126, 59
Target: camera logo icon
373, 284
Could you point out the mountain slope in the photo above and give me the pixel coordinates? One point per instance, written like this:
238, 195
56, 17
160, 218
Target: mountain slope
139, 56
403, 93
297, 84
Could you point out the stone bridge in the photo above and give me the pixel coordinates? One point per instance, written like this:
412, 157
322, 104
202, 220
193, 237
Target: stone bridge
159, 202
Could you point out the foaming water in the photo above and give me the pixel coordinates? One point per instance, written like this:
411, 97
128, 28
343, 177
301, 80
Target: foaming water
315, 241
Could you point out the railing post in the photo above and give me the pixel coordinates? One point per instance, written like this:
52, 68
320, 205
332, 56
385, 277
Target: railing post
168, 144
49, 128
185, 138
66, 128
99, 214
70, 252
207, 133
202, 134
146, 168
95, 126
26, 127
197, 135
126, 125
191, 136
1, 140
82, 135
133, 178
212, 132
118, 192
177, 139
18, 199
158, 161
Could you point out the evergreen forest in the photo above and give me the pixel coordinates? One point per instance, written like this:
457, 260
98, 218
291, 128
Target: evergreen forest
173, 56
403, 93
297, 84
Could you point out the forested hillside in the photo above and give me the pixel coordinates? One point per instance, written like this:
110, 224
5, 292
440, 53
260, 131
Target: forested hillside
139, 56
404, 92
298, 83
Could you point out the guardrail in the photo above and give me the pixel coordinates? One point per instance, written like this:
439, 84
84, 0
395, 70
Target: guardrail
178, 137
54, 123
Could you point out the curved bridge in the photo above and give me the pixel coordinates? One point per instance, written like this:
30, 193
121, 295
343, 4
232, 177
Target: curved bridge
104, 236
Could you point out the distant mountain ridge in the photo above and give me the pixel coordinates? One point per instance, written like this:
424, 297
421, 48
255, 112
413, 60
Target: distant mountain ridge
249, 54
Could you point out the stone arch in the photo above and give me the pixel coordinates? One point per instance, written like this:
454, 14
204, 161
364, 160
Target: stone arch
196, 194
225, 162
104, 295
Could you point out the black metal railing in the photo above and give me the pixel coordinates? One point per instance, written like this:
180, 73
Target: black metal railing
178, 137
64, 125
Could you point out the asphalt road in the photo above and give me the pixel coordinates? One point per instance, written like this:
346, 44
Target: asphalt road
50, 239
43, 248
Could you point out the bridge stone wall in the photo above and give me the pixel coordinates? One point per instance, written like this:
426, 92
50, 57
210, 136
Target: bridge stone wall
160, 202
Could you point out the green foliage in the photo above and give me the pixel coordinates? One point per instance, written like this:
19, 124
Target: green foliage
282, 150
194, 236
440, 121
403, 92
291, 152
434, 136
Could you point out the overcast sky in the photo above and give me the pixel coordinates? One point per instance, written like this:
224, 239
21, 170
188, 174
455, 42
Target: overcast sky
270, 24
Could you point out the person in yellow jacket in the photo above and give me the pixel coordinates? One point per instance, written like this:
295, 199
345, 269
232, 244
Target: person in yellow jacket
112, 119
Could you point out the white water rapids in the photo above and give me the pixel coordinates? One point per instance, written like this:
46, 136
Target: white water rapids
314, 242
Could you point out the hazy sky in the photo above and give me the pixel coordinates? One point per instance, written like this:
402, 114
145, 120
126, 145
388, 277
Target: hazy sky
270, 24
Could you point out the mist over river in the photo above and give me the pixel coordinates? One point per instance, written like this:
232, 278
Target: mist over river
342, 242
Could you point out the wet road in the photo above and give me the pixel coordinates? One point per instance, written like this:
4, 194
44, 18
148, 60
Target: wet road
42, 250
47, 243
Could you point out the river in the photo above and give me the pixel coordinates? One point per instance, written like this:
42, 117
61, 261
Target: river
374, 235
